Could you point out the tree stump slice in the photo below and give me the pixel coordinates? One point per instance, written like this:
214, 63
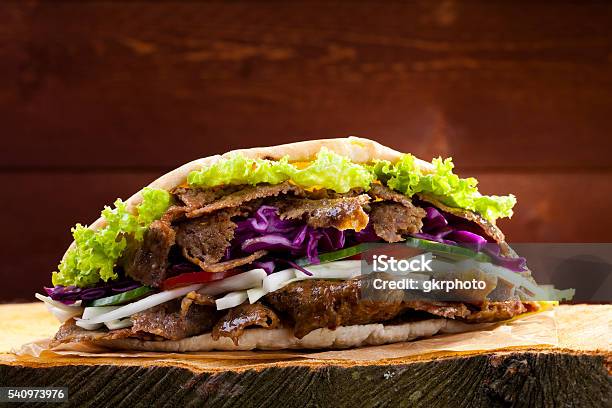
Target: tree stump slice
577, 373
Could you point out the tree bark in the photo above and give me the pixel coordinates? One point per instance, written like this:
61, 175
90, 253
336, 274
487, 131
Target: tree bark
518, 379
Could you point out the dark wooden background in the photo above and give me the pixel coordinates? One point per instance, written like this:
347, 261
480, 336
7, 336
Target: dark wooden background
98, 99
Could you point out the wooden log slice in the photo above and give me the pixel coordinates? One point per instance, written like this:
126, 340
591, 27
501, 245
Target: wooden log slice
577, 373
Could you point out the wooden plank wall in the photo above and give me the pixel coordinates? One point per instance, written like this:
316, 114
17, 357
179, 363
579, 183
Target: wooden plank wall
97, 99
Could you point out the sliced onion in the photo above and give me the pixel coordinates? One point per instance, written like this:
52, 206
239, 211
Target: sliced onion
68, 308
291, 281
144, 304
91, 312
537, 292
61, 314
243, 281
442, 266
333, 270
277, 280
514, 278
255, 294
232, 299
87, 326
119, 324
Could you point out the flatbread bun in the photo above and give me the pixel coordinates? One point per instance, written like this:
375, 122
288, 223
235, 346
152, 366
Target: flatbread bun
359, 150
278, 339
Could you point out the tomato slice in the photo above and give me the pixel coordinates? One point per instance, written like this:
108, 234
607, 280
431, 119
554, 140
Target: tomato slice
190, 278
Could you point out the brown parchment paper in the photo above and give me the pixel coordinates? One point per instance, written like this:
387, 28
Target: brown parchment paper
535, 330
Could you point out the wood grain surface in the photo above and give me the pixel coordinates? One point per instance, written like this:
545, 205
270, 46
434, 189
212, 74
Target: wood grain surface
578, 372
97, 99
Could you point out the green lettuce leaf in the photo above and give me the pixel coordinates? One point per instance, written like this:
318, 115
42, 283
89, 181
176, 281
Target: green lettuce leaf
241, 170
154, 204
405, 176
329, 170
95, 253
333, 171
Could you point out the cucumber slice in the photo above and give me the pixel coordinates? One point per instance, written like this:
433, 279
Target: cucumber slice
337, 255
444, 251
451, 252
121, 298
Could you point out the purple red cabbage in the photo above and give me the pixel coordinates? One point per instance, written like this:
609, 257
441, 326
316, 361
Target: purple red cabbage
518, 264
265, 230
267, 266
451, 230
366, 235
433, 220
70, 294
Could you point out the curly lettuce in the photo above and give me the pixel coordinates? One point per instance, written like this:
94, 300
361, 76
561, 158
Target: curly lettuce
95, 253
238, 170
329, 170
333, 171
406, 177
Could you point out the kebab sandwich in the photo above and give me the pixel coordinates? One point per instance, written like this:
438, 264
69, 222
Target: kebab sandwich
259, 249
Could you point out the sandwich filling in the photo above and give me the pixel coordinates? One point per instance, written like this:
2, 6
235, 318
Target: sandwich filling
247, 243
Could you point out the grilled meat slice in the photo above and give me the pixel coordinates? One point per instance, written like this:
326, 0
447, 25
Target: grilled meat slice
340, 213
149, 262
205, 239
167, 320
244, 195
392, 220
239, 318
314, 304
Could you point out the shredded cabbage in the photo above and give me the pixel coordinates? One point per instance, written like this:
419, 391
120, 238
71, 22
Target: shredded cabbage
329, 170
405, 176
95, 253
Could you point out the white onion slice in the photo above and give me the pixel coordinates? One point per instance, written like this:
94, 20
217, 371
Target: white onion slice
119, 324
87, 326
536, 292
441, 266
144, 304
255, 294
61, 314
332, 270
69, 308
92, 311
243, 281
232, 299
291, 281
277, 280
516, 279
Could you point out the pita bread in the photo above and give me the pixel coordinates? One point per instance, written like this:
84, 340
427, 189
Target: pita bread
278, 339
359, 150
